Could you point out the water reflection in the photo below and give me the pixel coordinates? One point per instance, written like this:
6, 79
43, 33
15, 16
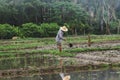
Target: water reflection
64, 76
89, 75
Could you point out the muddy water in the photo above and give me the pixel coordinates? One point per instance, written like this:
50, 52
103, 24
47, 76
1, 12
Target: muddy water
86, 75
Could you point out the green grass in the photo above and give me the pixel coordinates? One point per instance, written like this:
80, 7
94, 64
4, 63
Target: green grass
77, 50
17, 47
35, 42
13, 53
65, 53
94, 38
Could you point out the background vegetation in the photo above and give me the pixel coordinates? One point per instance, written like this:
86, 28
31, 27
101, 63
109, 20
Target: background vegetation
42, 18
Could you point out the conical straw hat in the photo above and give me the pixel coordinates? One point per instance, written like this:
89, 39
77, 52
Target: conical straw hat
64, 28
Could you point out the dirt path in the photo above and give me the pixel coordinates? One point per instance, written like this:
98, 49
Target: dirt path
98, 57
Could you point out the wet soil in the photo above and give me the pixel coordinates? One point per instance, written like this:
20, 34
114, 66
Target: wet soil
82, 60
97, 57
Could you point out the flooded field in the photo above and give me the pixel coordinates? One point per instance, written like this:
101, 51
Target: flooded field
108, 74
41, 60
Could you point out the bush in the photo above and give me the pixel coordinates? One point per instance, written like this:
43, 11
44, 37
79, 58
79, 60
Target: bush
50, 30
28, 30
31, 30
18, 32
7, 31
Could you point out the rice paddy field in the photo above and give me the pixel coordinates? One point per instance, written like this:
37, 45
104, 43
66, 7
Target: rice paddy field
30, 56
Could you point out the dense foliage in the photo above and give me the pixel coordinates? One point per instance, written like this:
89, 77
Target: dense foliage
7, 31
28, 30
81, 16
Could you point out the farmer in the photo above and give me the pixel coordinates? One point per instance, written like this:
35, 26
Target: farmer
59, 37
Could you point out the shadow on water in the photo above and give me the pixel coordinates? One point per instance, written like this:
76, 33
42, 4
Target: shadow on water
86, 75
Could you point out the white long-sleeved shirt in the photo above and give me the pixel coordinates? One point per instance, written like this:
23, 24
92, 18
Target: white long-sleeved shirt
59, 36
